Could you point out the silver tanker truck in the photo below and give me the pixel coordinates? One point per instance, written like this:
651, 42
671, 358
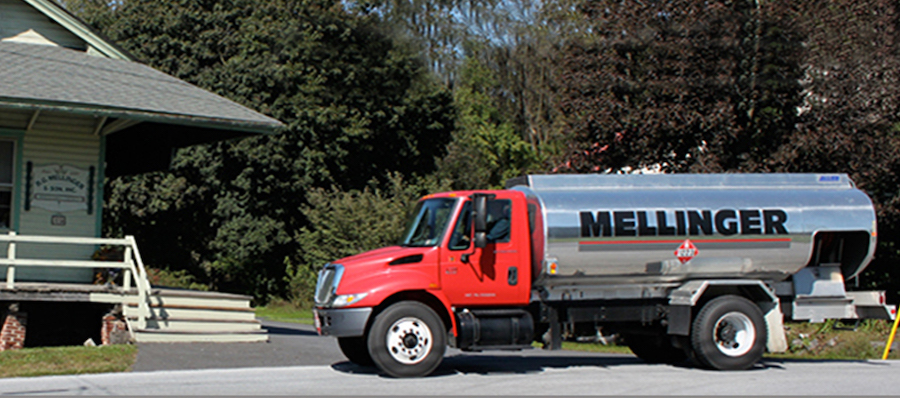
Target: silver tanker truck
705, 267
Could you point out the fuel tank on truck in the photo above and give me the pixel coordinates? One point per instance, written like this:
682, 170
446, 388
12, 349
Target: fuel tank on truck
673, 227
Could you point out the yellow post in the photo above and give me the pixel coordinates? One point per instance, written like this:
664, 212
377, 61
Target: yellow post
887, 348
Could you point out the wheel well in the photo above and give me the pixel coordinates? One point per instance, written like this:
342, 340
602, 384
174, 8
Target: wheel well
750, 292
414, 295
687, 300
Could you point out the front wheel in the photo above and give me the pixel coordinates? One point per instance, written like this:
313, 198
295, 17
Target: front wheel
407, 339
729, 333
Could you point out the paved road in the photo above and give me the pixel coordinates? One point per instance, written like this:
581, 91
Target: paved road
299, 345
289, 345
513, 374
297, 362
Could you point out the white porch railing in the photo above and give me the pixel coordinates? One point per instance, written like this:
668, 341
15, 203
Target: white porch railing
131, 264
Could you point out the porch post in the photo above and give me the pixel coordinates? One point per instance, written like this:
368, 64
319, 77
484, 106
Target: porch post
11, 269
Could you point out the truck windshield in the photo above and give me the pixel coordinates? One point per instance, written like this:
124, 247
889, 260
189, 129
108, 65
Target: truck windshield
427, 222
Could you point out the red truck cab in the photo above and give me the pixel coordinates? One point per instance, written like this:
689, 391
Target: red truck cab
445, 265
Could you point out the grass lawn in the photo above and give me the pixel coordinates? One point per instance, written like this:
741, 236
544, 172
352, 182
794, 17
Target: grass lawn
45, 361
591, 347
834, 340
283, 311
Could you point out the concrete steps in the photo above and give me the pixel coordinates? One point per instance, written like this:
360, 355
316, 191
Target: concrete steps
195, 316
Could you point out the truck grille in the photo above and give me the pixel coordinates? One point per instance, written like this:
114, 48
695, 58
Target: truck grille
326, 285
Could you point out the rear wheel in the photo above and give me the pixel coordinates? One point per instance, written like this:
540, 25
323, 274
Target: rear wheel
407, 339
729, 333
355, 349
655, 348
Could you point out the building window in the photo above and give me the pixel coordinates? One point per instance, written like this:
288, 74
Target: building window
7, 165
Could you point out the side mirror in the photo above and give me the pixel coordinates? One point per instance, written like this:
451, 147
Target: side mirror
480, 206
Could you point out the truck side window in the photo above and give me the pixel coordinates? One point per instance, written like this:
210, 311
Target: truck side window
499, 220
462, 231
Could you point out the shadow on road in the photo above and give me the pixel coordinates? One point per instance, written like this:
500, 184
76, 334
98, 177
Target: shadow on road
778, 362
288, 331
483, 364
486, 364
520, 364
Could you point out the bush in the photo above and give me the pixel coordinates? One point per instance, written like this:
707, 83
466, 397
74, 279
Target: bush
178, 279
301, 284
344, 223
835, 340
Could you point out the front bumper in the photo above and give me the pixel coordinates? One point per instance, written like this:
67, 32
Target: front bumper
342, 322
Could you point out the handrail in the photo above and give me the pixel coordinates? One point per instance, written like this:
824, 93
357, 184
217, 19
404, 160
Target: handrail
131, 263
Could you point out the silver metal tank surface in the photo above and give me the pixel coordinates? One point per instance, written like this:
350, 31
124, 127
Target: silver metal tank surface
670, 227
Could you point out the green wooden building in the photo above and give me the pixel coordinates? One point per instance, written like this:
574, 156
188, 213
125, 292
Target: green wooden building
74, 109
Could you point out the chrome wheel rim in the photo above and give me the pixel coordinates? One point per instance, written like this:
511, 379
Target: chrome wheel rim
409, 341
734, 334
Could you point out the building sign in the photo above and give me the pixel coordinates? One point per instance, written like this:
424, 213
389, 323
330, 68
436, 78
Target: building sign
60, 188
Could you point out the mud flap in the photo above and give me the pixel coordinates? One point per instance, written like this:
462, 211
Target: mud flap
777, 341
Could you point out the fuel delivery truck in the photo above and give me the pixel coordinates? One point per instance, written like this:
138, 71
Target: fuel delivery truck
701, 267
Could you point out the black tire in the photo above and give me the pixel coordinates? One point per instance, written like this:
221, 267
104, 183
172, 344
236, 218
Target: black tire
654, 348
356, 350
407, 339
729, 333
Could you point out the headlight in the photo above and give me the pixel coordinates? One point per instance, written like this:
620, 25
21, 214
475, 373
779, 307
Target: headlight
347, 299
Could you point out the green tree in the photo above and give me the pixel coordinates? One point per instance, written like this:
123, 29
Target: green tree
344, 223
356, 104
486, 150
522, 47
517, 39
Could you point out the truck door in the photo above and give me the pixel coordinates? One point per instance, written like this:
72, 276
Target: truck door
497, 274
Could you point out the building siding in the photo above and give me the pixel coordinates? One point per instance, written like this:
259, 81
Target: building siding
56, 139
14, 119
17, 17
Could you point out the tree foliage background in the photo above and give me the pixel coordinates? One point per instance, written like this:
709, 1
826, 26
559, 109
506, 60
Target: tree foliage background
357, 105
742, 86
385, 100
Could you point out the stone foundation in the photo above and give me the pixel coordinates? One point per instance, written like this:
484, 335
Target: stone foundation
12, 335
114, 329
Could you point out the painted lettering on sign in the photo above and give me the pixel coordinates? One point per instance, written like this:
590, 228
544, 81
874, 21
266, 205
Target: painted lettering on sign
60, 188
683, 222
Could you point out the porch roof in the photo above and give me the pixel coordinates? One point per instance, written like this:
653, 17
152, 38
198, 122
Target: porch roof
42, 77
145, 114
